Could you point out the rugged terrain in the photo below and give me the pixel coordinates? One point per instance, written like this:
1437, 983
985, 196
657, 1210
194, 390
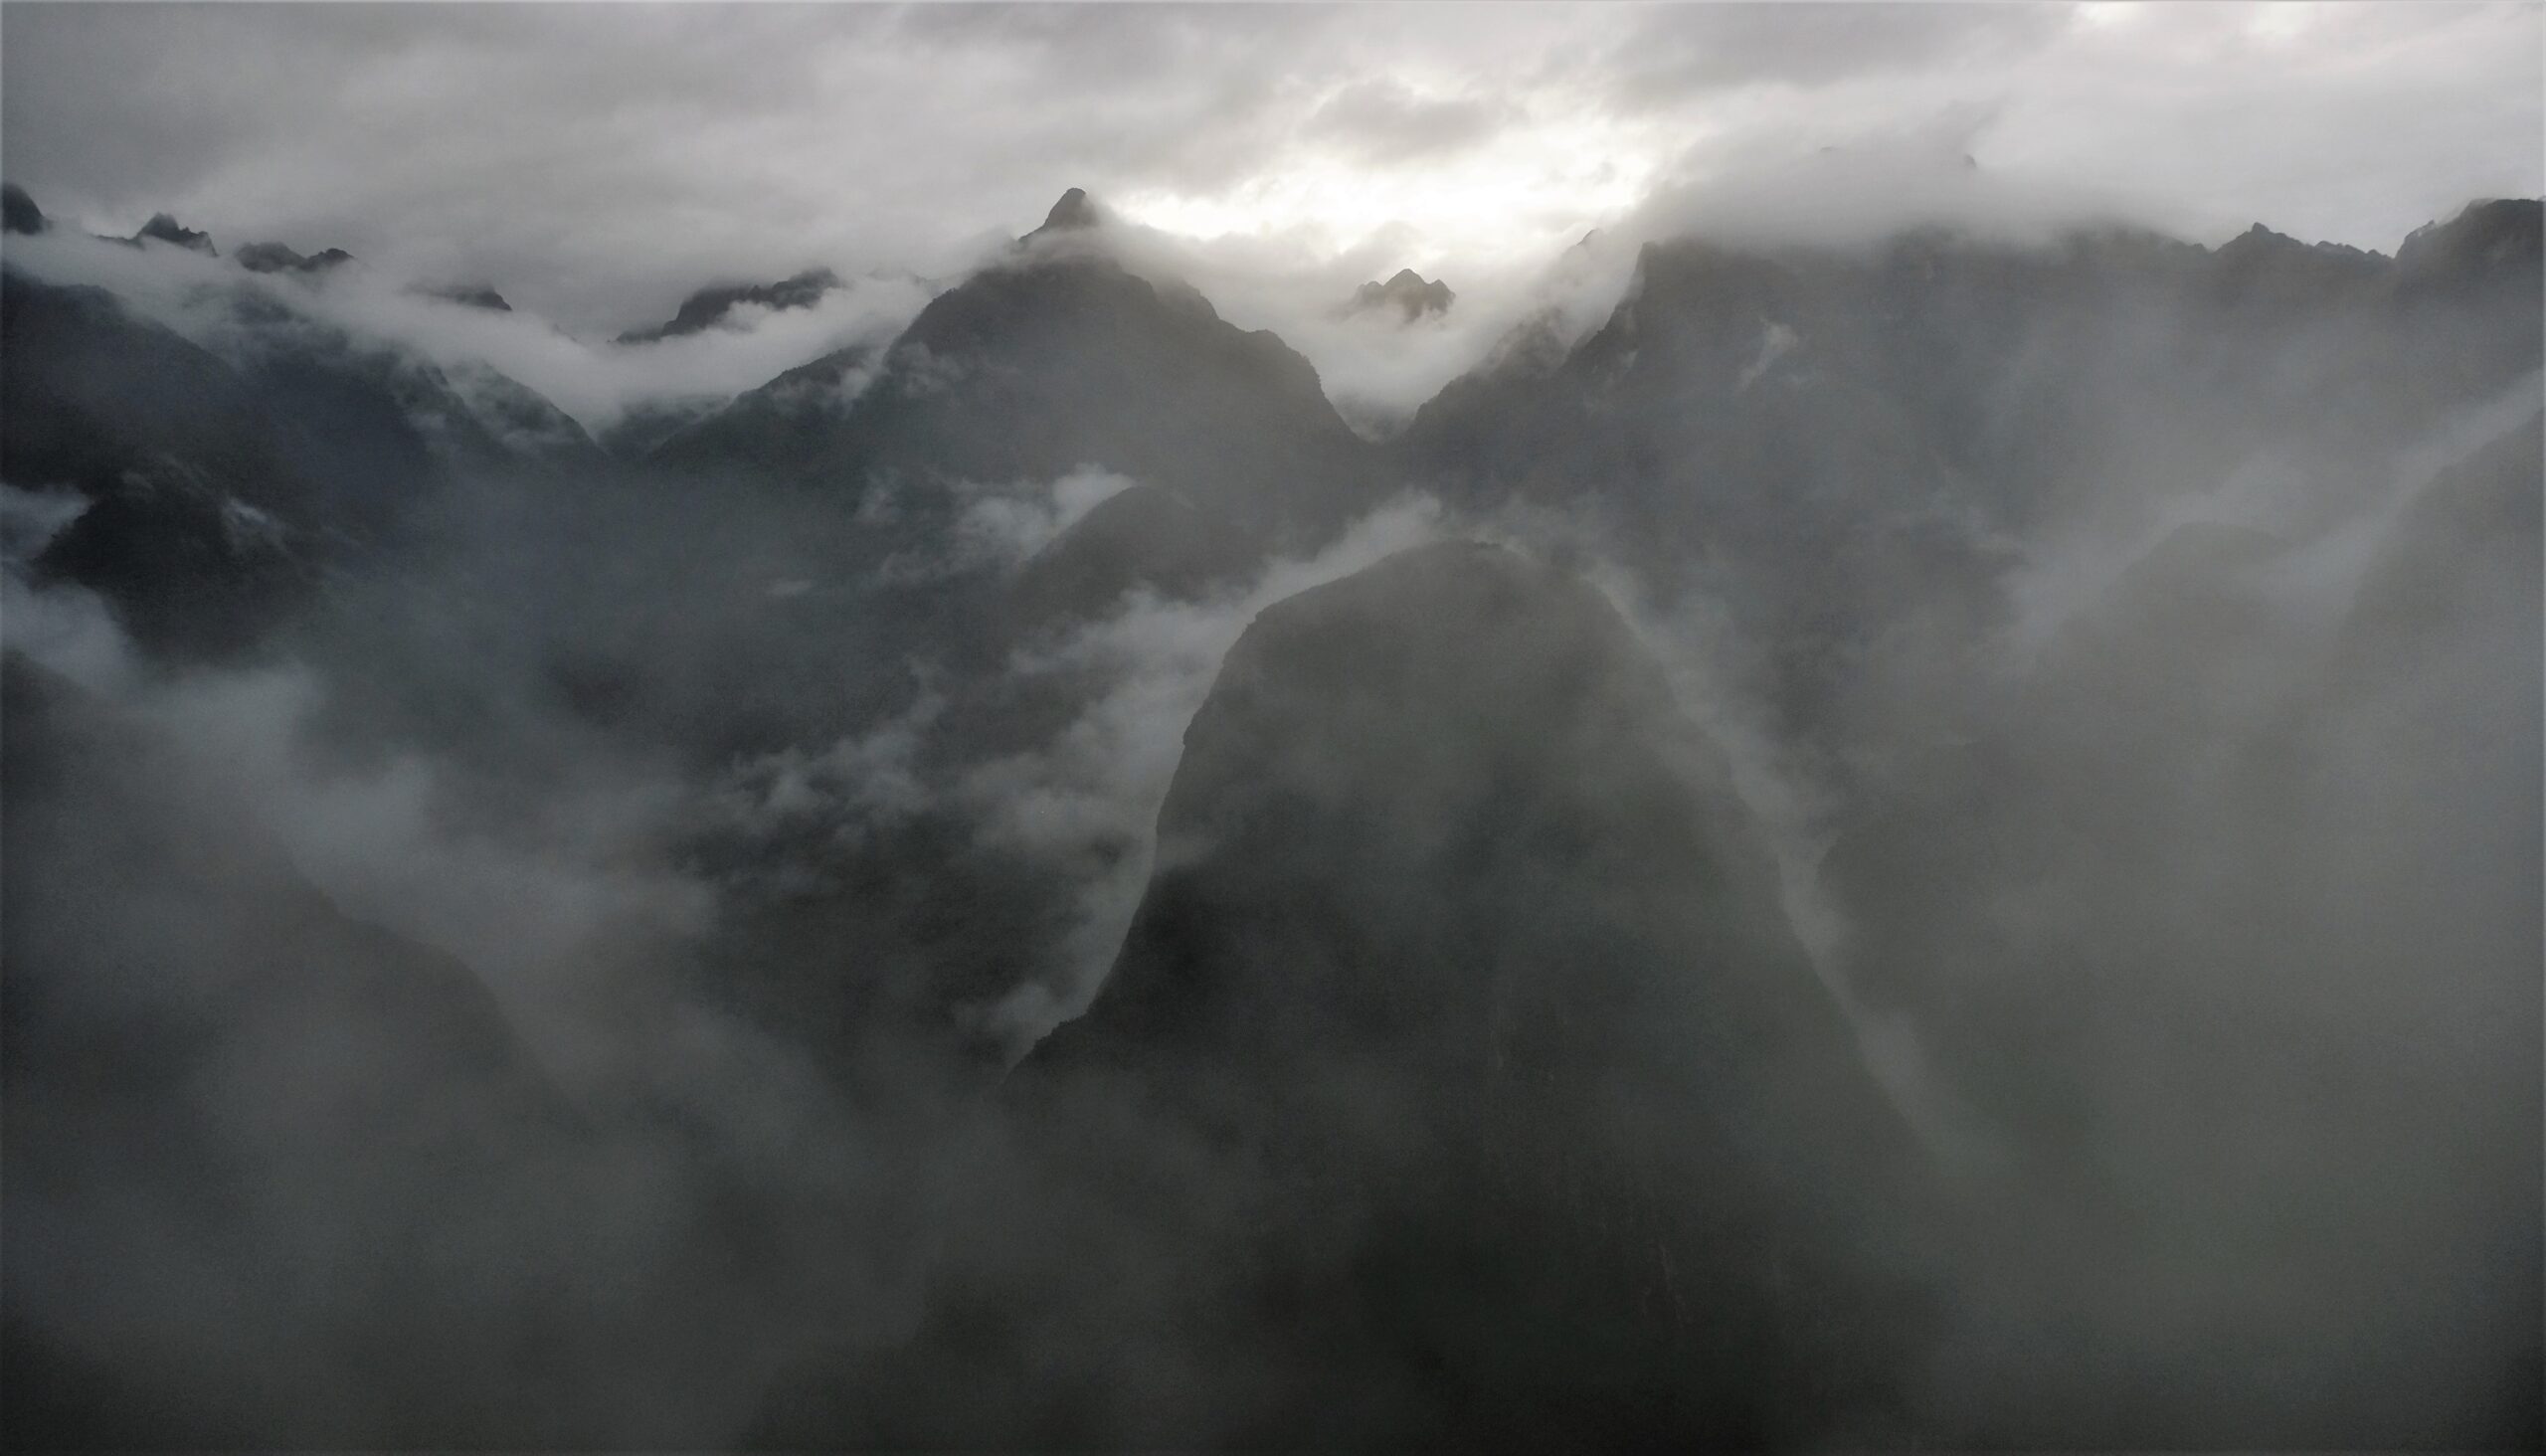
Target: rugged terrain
1934, 843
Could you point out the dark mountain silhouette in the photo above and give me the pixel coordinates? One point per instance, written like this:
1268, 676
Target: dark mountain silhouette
164, 229
18, 211
710, 307
1074, 213
474, 295
275, 258
1408, 292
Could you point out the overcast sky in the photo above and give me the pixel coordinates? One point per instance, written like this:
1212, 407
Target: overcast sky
595, 162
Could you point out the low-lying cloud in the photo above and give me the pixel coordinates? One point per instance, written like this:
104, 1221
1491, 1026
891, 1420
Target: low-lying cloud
594, 381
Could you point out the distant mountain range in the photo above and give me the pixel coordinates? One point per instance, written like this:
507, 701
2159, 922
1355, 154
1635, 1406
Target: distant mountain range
1938, 852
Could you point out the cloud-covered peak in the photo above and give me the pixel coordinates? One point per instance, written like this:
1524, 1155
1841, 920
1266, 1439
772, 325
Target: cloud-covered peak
714, 306
1408, 292
278, 258
473, 295
166, 229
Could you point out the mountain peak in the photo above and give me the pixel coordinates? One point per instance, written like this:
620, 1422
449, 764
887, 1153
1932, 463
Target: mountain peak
18, 211
1408, 293
1073, 212
265, 257
167, 228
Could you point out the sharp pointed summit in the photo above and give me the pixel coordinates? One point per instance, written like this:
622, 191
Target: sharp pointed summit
1076, 212
1072, 211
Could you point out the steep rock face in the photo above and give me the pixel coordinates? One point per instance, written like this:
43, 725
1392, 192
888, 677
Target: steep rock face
710, 307
1487, 1094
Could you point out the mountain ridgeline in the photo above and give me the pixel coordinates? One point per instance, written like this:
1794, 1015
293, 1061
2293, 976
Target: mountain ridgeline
1928, 842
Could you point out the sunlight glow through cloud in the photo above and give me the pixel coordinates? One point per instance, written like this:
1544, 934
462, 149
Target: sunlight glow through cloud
1536, 186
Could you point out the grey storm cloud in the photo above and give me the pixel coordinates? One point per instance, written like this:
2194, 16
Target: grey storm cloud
598, 162
1385, 119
